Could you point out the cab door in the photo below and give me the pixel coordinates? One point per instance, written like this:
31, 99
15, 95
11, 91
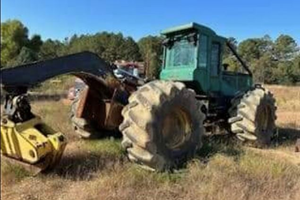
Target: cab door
215, 65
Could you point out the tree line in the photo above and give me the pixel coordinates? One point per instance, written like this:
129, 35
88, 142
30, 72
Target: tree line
271, 61
17, 48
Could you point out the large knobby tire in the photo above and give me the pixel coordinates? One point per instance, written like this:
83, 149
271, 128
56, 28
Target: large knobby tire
81, 126
163, 125
253, 115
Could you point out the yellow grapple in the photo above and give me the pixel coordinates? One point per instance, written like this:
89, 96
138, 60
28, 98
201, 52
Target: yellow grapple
31, 143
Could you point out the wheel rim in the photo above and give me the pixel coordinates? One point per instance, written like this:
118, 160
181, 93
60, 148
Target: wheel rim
176, 128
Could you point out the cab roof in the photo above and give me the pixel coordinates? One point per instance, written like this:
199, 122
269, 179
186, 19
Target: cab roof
190, 26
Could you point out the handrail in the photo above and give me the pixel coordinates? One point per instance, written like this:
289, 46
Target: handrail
245, 66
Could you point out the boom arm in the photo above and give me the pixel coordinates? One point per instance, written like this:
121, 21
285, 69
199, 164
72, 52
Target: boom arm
95, 72
85, 65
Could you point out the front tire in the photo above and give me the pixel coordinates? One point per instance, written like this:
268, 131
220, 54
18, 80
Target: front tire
252, 116
163, 125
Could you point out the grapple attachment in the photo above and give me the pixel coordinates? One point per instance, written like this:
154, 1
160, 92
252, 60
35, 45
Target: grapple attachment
32, 144
26, 141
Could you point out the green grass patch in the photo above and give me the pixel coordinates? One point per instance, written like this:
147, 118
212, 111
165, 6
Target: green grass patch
107, 146
258, 165
140, 175
220, 145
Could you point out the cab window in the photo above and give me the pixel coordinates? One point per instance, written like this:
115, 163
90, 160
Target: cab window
215, 59
181, 54
203, 50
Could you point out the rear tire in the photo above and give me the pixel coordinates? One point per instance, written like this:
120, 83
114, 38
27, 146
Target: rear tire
163, 125
252, 116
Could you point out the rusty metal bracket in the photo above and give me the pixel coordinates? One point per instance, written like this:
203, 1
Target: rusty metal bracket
102, 112
297, 148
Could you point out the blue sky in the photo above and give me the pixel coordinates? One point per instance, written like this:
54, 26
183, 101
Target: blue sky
242, 19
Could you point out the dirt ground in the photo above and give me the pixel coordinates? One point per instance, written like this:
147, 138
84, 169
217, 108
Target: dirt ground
99, 169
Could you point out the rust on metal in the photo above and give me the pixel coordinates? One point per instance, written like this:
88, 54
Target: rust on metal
113, 117
103, 113
297, 148
82, 102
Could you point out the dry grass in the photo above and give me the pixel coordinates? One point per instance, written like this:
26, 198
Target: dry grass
223, 169
287, 97
57, 115
56, 85
288, 114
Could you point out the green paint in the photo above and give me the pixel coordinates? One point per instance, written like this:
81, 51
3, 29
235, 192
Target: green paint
193, 54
